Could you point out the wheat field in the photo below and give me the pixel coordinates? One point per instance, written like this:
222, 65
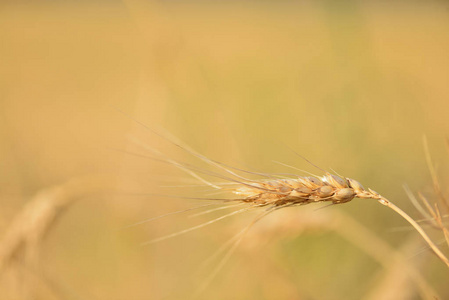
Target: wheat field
353, 87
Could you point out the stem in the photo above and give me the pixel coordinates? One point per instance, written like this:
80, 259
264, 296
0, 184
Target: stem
418, 228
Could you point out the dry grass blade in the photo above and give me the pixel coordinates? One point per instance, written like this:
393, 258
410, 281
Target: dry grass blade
436, 216
418, 206
441, 224
433, 174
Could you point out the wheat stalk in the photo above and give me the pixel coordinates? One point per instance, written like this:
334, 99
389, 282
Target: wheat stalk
418, 228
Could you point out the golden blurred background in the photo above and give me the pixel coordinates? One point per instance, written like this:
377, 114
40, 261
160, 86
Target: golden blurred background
351, 85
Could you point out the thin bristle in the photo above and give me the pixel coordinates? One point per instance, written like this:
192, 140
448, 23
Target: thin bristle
194, 227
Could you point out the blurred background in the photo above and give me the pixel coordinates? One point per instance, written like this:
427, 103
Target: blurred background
351, 85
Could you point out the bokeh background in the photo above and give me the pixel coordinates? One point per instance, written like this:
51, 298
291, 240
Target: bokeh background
351, 85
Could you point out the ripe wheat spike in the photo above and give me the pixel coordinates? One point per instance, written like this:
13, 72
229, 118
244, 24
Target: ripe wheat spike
275, 193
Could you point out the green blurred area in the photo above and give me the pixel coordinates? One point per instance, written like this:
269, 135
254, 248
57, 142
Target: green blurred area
352, 87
